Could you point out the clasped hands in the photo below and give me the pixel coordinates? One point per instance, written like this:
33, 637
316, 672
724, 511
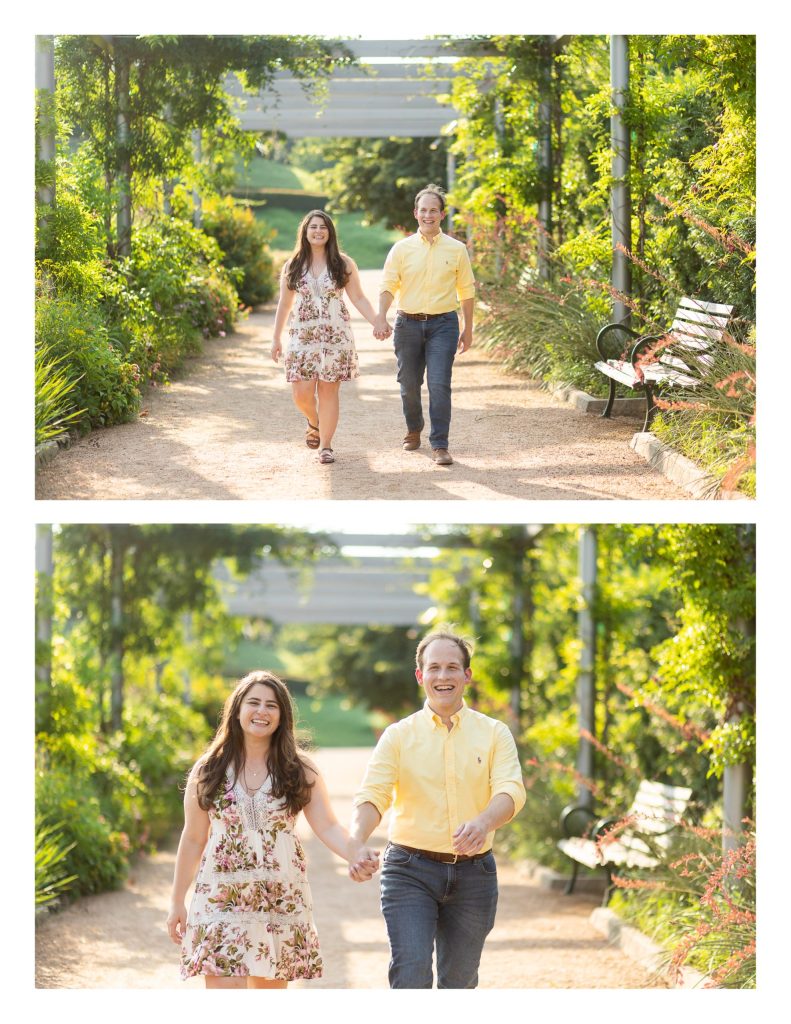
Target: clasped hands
364, 864
382, 328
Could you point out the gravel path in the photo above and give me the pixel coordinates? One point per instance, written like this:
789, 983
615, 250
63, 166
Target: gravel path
541, 939
229, 430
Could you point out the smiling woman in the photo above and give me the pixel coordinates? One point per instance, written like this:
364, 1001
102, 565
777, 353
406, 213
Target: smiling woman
250, 923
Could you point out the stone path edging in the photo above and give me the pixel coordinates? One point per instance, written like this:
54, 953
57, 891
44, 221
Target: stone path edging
584, 402
681, 470
640, 948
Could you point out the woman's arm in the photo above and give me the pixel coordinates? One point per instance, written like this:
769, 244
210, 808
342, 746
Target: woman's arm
354, 290
322, 820
284, 305
191, 846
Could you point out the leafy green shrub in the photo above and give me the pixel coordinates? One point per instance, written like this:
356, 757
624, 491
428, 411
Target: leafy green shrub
159, 742
546, 331
98, 852
168, 295
245, 244
51, 850
55, 410
74, 335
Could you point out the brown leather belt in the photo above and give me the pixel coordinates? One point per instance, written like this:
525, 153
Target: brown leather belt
443, 858
420, 316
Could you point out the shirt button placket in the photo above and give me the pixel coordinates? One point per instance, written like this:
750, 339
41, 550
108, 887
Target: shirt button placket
450, 784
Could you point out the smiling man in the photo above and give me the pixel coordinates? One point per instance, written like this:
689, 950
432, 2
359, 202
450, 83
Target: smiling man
452, 776
431, 274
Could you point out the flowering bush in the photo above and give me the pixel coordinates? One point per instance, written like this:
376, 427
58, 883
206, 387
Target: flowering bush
244, 242
700, 905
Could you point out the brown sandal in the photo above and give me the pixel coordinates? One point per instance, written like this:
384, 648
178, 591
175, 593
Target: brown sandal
312, 439
326, 456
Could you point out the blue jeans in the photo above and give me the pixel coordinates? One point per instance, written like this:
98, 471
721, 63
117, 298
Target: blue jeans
424, 902
426, 346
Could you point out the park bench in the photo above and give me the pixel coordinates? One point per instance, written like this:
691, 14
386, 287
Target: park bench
653, 817
685, 355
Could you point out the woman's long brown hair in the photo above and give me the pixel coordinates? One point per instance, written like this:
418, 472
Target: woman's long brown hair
299, 261
286, 768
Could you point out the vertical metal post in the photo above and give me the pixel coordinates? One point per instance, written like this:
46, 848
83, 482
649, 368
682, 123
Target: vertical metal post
197, 205
621, 199
45, 107
545, 160
44, 573
450, 180
586, 686
498, 134
124, 210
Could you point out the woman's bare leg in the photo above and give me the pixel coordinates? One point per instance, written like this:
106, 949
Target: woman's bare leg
212, 981
304, 394
329, 411
266, 983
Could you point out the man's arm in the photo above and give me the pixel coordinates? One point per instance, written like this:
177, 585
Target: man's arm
365, 818
382, 328
469, 837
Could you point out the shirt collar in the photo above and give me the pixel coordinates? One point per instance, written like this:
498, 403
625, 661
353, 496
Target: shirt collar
436, 721
422, 238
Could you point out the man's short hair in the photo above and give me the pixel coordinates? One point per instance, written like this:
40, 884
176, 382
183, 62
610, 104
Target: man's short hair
431, 190
444, 634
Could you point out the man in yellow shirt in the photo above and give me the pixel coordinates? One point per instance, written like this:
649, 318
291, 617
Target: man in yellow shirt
431, 274
452, 776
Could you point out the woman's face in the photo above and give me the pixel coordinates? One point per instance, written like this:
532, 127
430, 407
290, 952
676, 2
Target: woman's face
259, 713
317, 231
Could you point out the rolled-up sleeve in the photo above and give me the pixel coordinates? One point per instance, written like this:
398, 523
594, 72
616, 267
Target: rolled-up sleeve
391, 275
465, 280
506, 772
381, 773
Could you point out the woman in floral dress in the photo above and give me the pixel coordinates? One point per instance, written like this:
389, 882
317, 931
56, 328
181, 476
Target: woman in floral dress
250, 923
320, 352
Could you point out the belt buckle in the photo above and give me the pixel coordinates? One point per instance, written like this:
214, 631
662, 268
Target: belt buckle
422, 316
455, 858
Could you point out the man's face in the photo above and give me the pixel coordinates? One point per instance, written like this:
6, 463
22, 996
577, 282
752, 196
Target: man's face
429, 214
443, 676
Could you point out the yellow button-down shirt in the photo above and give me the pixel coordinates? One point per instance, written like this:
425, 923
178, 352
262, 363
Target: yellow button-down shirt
428, 276
436, 779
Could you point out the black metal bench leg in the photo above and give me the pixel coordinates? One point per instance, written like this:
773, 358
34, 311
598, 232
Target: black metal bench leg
570, 884
610, 400
650, 408
608, 888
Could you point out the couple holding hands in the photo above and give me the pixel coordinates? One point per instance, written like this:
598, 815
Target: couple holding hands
429, 271
450, 774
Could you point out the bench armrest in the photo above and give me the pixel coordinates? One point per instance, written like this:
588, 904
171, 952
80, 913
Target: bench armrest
608, 328
641, 344
575, 819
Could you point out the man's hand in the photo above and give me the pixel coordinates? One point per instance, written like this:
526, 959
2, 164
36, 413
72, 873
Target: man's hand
364, 865
469, 837
465, 340
382, 328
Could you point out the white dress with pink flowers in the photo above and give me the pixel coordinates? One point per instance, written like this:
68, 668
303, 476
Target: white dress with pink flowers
320, 340
251, 913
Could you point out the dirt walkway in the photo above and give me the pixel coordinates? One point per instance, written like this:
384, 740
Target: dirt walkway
229, 430
540, 940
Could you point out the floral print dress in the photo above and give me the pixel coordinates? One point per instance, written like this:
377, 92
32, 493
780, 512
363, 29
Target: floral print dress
320, 340
251, 913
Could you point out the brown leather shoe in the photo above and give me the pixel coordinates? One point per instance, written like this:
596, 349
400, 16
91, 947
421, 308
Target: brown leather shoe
442, 457
411, 441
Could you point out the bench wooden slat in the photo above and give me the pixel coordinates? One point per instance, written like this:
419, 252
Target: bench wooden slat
693, 316
686, 333
711, 307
